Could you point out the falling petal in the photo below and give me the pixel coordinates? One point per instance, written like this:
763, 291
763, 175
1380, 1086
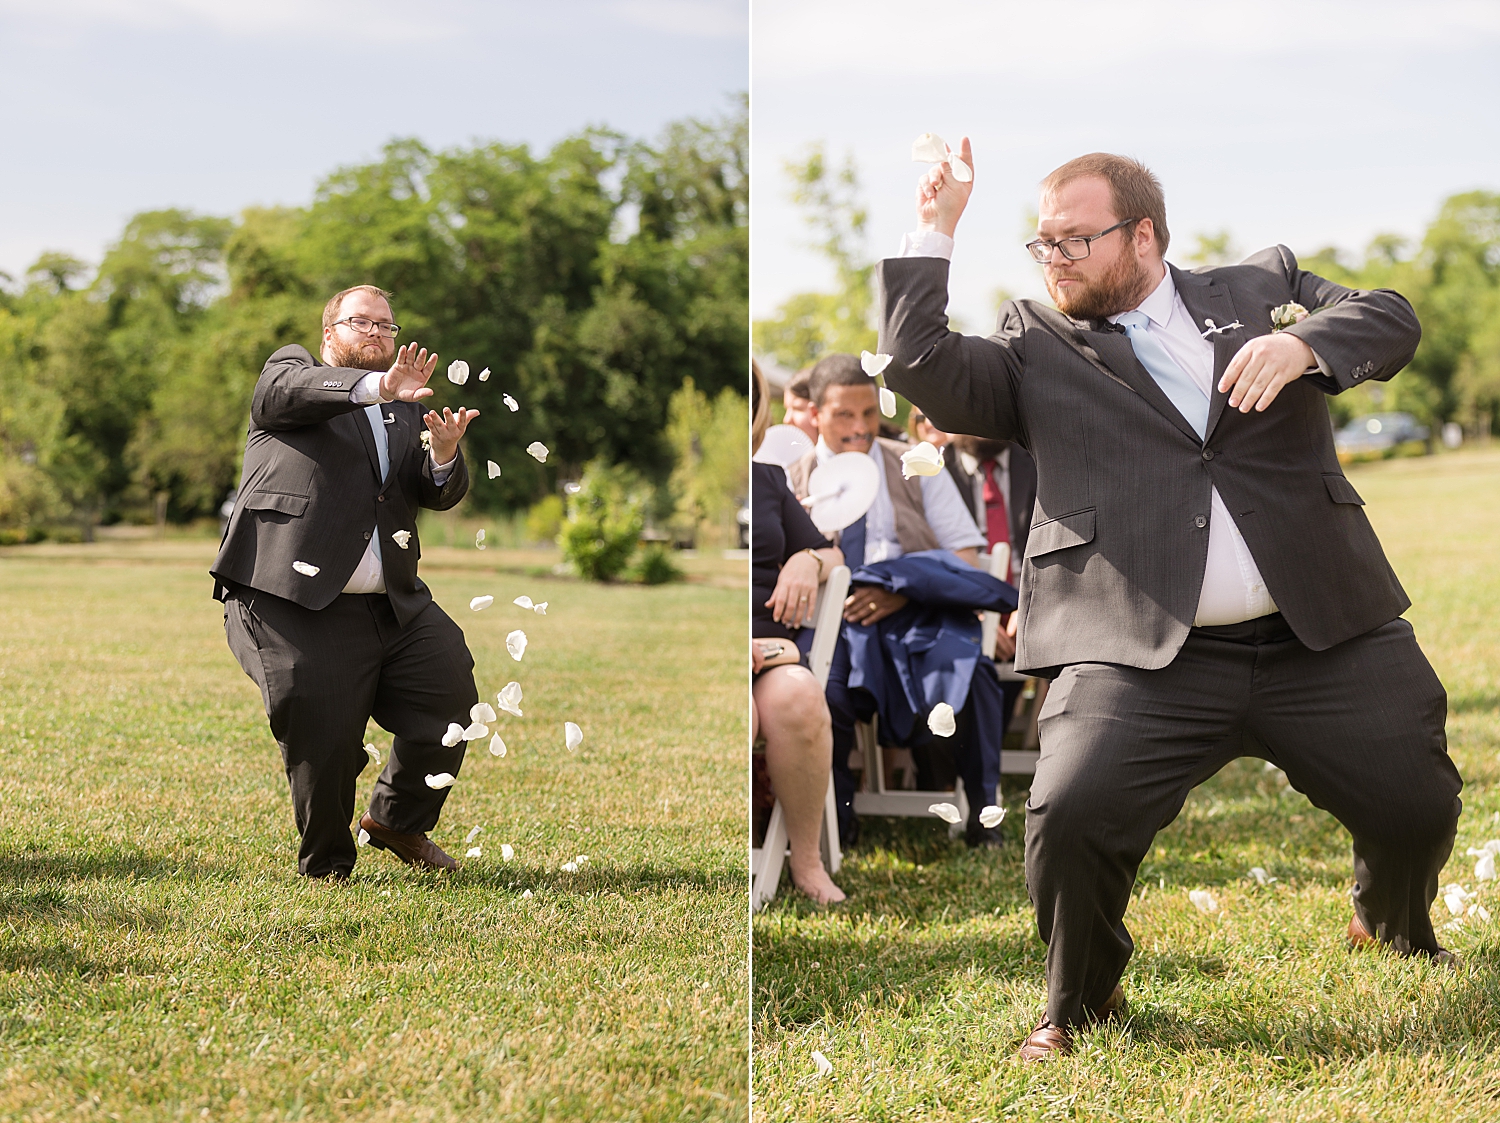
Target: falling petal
479, 538
961, 171
929, 149
1259, 875
497, 746
538, 450
458, 372
454, 735
946, 812
484, 375
941, 720
887, 402
515, 643
479, 604
401, 538
873, 364
1484, 869
825, 1066
510, 698
507, 851
526, 894
472, 835
476, 731
1482, 912
540, 608
572, 735
570, 867
364, 837
524, 602
474, 852
926, 459
441, 780
481, 711
991, 816
306, 570
1203, 900
494, 469
374, 754
510, 403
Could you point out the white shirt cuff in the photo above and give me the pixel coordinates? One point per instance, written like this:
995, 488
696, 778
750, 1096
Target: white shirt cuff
366, 391
926, 243
441, 472
1322, 366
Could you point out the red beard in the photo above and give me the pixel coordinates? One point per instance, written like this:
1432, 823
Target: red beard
367, 354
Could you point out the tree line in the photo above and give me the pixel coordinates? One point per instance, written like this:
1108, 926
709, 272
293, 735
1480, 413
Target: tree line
595, 280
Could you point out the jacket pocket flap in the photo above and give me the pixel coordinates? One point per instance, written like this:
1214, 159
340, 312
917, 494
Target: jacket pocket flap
276, 501
1340, 490
1058, 534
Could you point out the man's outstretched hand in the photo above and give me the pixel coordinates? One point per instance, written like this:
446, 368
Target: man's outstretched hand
446, 429
941, 199
406, 381
1262, 367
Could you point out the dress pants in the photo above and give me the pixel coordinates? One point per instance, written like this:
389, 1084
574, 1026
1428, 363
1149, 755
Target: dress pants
322, 675
1357, 728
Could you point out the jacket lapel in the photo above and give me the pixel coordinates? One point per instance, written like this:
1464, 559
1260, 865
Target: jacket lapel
361, 421
398, 439
1115, 350
1207, 299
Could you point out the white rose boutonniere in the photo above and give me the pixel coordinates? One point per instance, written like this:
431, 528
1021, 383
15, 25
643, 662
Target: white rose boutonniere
1286, 315
426, 439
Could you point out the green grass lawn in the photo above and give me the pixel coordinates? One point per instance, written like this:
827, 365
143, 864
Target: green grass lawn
920, 990
160, 960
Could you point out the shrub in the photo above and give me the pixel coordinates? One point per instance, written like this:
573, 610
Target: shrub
604, 523
544, 519
656, 567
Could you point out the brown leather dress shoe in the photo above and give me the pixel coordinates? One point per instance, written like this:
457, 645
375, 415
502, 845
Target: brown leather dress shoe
1360, 940
1048, 1041
413, 849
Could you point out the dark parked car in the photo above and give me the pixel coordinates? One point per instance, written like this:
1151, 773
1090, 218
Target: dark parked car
1378, 434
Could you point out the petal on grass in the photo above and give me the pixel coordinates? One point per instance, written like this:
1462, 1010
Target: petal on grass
887, 402
873, 364
946, 812
305, 569
476, 731
991, 816
825, 1066
510, 698
1259, 875
570, 867
401, 538
454, 735
527, 893
510, 403
515, 643
572, 735
1484, 869
492, 468
941, 721
507, 851
441, 780
538, 450
497, 746
474, 852
524, 602
472, 835
481, 711
458, 372
374, 754
1203, 900
479, 604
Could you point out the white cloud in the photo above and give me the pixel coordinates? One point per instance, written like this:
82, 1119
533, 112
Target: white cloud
705, 19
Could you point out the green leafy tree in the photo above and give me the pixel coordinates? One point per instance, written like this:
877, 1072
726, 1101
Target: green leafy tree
604, 522
711, 441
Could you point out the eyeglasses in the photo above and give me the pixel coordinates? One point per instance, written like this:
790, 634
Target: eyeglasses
1075, 248
366, 326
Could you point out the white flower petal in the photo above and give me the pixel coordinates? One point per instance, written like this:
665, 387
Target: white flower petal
1259, 875
946, 812
538, 450
570, 867
363, 839
941, 721
540, 608
510, 403
474, 852
1455, 897
1484, 869
887, 402
510, 698
929, 149
526, 894
825, 1066
493, 468
507, 851
497, 746
472, 835
479, 604
479, 538
524, 602
873, 364
426, 439
441, 780
515, 643
572, 735
401, 538
458, 372
374, 754
1482, 912
961, 171
1493, 846
306, 570
476, 731
454, 735
481, 711
484, 375
991, 816
923, 460
1203, 900
582, 859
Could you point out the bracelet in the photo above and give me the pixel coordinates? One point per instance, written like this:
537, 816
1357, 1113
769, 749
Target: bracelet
819, 560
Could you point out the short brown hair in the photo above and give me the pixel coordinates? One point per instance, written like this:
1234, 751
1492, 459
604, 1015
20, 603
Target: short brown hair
1134, 190
835, 370
331, 309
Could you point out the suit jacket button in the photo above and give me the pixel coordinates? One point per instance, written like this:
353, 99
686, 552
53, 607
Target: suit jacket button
1208, 454
1199, 521
367, 536
380, 499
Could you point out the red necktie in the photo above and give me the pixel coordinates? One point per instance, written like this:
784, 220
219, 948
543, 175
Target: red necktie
997, 518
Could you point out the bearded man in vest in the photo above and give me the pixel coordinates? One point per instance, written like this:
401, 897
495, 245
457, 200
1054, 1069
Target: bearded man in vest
907, 517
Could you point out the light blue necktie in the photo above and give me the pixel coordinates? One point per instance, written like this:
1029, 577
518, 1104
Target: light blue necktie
1181, 390
383, 453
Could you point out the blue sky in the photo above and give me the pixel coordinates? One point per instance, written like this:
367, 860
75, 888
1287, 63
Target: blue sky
118, 106
1310, 123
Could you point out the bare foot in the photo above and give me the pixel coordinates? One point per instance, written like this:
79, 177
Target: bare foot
816, 883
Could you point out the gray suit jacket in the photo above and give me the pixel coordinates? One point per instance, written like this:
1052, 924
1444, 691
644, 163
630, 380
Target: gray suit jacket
311, 489
1114, 563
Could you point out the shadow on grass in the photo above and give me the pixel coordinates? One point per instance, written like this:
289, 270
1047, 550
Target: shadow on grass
25, 867
647, 880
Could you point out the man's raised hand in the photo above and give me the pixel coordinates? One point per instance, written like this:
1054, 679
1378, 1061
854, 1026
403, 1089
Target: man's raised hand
406, 381
446, 429
941, 198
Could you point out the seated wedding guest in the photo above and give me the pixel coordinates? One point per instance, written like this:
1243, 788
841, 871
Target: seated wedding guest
799, 408
906, 553
788, 559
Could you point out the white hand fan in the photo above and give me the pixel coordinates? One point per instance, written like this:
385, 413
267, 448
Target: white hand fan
783, 445
842, 490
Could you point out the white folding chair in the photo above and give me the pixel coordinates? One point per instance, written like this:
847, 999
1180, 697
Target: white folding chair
766, 860
1013, 762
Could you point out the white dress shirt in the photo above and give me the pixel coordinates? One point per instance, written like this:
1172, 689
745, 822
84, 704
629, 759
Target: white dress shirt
944, 507
1233, 589
970, 464
369, 574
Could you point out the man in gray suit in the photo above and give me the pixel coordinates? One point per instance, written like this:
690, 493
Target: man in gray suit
323, 607
1199, 576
